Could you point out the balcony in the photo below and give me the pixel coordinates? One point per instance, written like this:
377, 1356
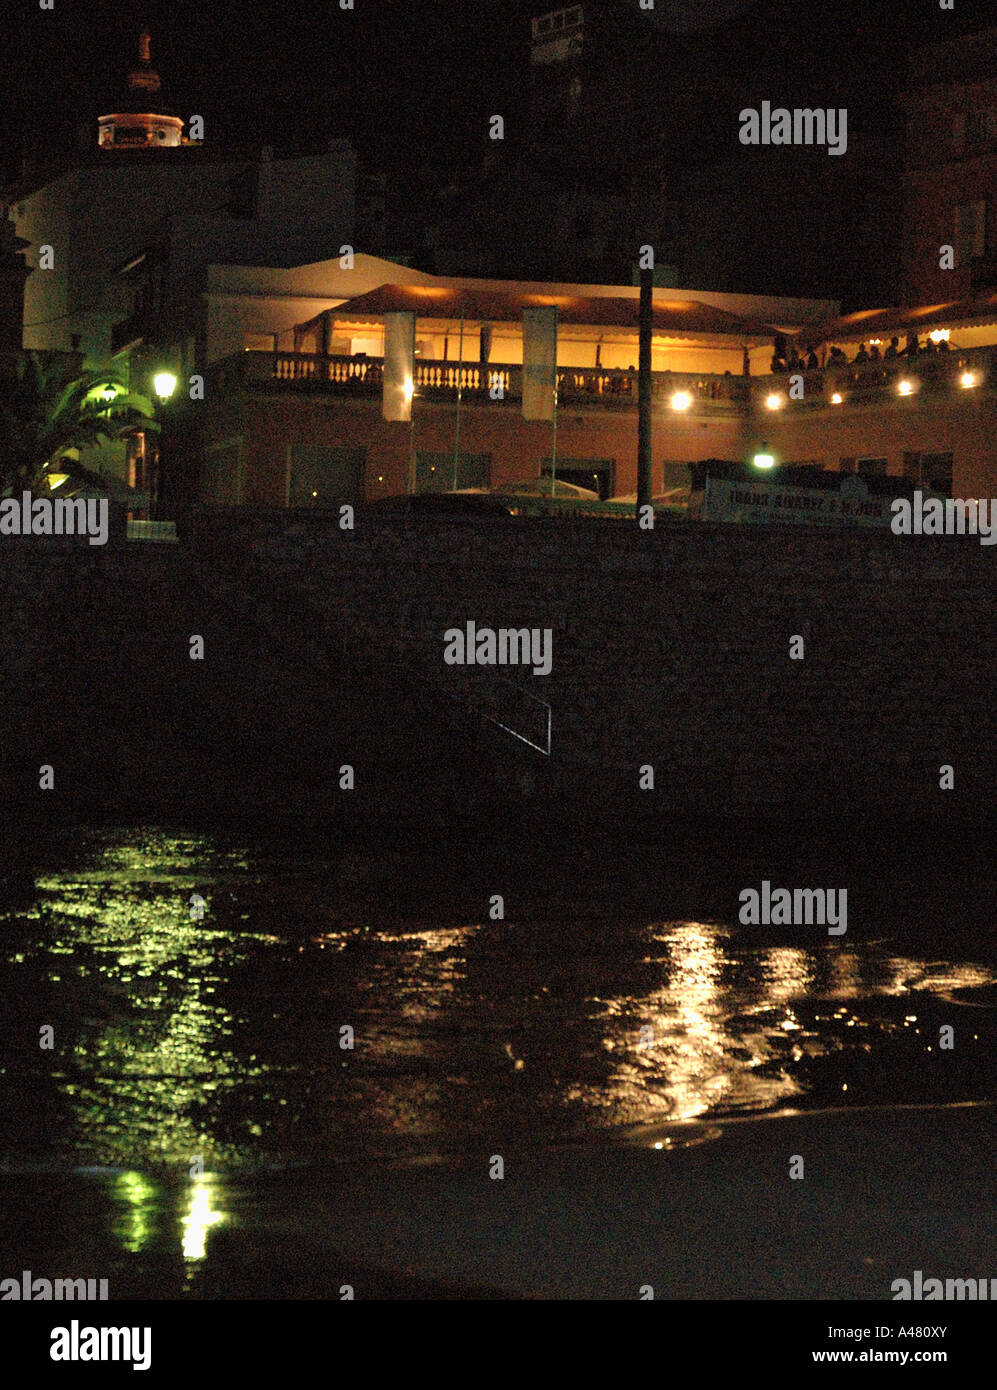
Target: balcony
873, 382
587, 388
579, 388
131, 331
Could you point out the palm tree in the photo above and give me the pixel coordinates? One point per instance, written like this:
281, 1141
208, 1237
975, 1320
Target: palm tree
49, 409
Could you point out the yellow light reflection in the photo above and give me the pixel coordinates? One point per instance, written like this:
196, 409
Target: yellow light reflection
128, 918
201, 1215
138, 1197
703, 1056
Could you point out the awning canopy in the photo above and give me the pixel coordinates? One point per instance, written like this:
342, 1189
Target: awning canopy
672, 318
879, 323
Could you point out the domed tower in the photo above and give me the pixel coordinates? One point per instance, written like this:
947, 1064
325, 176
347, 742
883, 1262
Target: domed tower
142, 120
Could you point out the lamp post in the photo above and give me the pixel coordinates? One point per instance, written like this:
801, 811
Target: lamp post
164, 383
410, 394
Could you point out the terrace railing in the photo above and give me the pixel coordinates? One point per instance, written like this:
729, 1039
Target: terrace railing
703, 393
441, 380
869, 381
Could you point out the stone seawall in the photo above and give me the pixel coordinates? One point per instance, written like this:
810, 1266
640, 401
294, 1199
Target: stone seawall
671, 650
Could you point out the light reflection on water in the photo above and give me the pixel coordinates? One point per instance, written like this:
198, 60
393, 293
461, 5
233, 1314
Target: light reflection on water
148, 1213
187, 1049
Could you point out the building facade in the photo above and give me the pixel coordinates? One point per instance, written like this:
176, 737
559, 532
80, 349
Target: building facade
950, 173
118, 239
302, 424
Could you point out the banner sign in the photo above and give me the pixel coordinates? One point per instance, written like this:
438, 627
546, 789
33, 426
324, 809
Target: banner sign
752, 502
399, 366
539, 362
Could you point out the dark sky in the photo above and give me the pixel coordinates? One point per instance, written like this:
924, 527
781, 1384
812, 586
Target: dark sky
262, 72
412, 81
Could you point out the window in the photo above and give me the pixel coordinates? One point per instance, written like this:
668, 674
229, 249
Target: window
935, 473
221, 479
980, 131
674, 473
871, 467
322, 476
970, 232
260, 342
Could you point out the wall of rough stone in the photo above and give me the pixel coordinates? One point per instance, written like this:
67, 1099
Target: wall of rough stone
670, 649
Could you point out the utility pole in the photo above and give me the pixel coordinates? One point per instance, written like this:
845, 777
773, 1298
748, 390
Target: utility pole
553, 437
460, 396
646, 321
411, 444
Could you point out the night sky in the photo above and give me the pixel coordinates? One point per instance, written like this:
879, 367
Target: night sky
407, 80
263, 71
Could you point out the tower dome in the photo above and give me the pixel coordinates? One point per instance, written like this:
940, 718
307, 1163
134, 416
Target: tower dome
141, 120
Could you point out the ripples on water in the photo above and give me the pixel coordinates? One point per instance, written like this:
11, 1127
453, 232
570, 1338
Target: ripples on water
217, 1041
194, 1055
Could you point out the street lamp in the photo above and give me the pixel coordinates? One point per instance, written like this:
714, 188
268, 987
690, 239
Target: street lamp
164, 384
